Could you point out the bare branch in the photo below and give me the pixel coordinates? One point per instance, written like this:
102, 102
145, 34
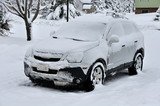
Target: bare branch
23, 2
25, 8
19, 7
30, 4
37, 11
12, 9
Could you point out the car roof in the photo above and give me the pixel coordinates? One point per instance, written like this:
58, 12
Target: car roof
98, 18
93, 18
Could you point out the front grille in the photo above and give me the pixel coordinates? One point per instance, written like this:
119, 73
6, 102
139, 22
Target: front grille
51, 71
47, 59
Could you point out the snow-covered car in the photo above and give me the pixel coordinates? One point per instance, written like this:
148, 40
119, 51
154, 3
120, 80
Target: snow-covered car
85, 51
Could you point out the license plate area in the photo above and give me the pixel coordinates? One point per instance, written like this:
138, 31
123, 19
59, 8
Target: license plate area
43, 67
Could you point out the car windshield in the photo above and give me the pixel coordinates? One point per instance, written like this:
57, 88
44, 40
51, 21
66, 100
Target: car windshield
81, 31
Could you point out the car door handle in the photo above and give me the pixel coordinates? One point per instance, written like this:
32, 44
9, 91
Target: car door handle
123, 45
135, 41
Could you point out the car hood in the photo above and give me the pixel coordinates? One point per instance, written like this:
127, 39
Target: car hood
63, 45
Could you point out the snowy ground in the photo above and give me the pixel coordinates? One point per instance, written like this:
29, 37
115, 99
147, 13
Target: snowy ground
120, 90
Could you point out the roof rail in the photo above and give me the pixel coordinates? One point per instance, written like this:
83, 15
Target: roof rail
116, 15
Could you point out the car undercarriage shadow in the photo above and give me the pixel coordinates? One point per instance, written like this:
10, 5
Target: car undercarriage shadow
73, 88
119, 75
51, 86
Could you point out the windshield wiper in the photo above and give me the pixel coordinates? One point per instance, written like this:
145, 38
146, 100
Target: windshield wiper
77, 39
55, 37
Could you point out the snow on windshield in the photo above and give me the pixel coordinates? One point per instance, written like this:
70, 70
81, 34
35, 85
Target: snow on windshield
87, 31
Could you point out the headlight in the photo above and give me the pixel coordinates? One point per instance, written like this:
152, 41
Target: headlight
29, 53
75, 57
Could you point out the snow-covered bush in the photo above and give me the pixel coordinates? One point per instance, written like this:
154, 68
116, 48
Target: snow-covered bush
118, 5
4, 26
61, 13
99, 4
57, 9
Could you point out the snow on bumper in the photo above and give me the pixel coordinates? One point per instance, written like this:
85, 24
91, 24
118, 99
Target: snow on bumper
62, 73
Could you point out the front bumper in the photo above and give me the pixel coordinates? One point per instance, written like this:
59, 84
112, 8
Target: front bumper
61, 74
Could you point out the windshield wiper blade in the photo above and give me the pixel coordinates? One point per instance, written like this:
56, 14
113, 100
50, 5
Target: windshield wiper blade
77, 39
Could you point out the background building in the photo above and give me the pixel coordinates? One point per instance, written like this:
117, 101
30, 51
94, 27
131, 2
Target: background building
85, 5
146, 6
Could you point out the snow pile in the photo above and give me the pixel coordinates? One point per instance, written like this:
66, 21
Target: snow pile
119, 90
4, 25
147, 23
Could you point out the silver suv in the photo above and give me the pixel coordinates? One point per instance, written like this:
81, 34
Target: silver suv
86, 50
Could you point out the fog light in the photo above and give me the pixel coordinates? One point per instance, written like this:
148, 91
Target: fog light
77, 80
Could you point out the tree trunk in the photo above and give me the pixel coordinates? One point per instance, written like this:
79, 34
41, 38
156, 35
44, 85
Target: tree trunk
29, 31
67, 10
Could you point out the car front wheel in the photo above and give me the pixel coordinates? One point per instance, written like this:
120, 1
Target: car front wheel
96, 76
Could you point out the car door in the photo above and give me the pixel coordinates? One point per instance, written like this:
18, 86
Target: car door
130, 41
115, 49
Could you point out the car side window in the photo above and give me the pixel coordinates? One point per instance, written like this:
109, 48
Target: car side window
116, 29
129, 28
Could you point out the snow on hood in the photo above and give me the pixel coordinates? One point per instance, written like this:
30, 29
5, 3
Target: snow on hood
63, 45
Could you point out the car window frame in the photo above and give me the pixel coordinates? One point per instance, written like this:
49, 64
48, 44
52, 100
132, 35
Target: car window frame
110, 27
132, 25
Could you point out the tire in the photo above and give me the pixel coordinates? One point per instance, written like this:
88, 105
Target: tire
96, 76
32, 80
35, 81
137, 64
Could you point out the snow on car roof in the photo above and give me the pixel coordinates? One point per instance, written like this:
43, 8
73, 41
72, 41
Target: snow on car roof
94, 18
98, 18
87, 28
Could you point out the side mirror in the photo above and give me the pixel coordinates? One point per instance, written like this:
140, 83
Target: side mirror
114, 39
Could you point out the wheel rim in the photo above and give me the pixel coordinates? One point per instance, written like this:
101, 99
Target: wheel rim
138, 64
96, 76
